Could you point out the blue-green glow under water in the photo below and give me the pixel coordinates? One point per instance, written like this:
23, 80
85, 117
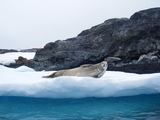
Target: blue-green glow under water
142, 107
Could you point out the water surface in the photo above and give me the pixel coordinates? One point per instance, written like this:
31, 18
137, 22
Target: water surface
141, 107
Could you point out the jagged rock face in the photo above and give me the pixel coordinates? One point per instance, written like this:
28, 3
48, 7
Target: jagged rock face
124, 38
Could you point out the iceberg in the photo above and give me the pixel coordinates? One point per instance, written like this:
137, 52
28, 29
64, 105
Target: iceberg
26, 82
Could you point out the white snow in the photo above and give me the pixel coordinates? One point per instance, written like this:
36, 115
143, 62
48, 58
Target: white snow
6, 59
24, 81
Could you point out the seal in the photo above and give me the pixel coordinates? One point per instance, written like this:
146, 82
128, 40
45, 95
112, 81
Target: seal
86, 70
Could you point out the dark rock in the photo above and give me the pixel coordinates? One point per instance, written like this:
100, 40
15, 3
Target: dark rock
154, 59
19, 62
112, 60
143, 59
148, 58
2, 51
30, 50
138, 68
124, 38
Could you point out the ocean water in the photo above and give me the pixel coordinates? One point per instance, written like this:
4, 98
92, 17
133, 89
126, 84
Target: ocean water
140, 107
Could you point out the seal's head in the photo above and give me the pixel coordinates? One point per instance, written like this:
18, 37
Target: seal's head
103, 65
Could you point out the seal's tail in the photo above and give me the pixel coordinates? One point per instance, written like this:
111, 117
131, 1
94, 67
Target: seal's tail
45, 76
50, 76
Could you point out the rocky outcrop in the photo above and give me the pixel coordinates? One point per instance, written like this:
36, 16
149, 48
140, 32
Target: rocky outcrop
120, 40
19, 62
3, 51
30, 50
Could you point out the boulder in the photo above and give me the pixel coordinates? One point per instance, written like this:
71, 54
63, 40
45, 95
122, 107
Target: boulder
143, 59
19, 62
148, 58
112, 60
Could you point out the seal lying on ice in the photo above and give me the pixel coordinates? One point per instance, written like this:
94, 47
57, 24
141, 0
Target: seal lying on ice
86, 70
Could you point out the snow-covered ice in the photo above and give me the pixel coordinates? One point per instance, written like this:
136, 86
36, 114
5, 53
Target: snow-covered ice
7, 58
24, 81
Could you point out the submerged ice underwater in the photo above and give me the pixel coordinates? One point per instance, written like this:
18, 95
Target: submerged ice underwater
110, 97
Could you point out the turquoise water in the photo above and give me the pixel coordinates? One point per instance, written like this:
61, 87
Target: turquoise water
142, 107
